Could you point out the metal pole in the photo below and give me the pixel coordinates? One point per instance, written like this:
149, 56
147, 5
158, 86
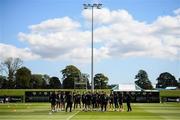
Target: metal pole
92, 53
98, 6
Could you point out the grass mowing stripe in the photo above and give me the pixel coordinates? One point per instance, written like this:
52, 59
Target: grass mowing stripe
37, 111
72, 115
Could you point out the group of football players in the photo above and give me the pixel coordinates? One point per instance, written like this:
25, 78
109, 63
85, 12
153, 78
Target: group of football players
61, 101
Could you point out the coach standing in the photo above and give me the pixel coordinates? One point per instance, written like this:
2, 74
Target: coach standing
106, 98
128, 100
69, 101
53, 101
115, 99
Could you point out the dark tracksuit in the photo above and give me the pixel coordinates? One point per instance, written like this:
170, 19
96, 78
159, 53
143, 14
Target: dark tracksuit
94, 100
83, 99
128, 100
104, 101
53, 99
115, 101
69, 100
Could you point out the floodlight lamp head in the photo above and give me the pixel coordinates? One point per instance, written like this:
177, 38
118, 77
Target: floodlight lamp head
99, 6
89, 5
95, 5
85, 6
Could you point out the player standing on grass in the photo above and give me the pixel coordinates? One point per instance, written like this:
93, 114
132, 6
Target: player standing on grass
69, 101
102, 101
120, 98
94, 101
106, 101
53, 102
79, 100
75, 100
88, 101
59, 100
63, 96
128, 100
115, 101
83, 99
111, 101
98, 100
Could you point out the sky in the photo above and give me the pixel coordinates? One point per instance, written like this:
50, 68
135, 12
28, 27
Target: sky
129, 35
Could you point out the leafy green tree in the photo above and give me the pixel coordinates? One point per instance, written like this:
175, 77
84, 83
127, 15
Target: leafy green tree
1, 68
23, 77
10, 65
37, 81
143, 80
3, 82
54, 83
70, 75
166, 80
100, 81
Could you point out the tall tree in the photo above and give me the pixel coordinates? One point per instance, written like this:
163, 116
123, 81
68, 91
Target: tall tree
10, 65
23, 77
143, 80
100, 81
3, 82
70, 75
54, 83
166, 80
37, 81
1, 68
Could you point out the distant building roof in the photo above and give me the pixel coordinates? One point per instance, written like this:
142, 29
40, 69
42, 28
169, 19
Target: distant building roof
127, 87
170, 88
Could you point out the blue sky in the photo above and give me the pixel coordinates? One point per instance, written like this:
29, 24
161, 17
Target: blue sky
129, 35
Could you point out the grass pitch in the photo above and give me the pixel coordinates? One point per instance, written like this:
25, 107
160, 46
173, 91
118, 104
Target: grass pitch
41, 111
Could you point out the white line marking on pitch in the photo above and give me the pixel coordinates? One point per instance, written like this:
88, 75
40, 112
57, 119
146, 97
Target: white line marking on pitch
72, 115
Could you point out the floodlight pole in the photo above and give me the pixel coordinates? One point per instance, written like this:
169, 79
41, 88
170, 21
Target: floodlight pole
92, 6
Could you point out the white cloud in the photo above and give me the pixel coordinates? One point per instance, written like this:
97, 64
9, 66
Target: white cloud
12, 51
177, 11
105, 16
125, 37
64, 41
55, 25
116, 34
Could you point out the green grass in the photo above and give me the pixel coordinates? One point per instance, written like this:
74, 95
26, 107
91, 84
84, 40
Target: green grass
40, 111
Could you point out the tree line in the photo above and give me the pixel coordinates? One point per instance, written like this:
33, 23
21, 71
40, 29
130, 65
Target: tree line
164, 80
20, 77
